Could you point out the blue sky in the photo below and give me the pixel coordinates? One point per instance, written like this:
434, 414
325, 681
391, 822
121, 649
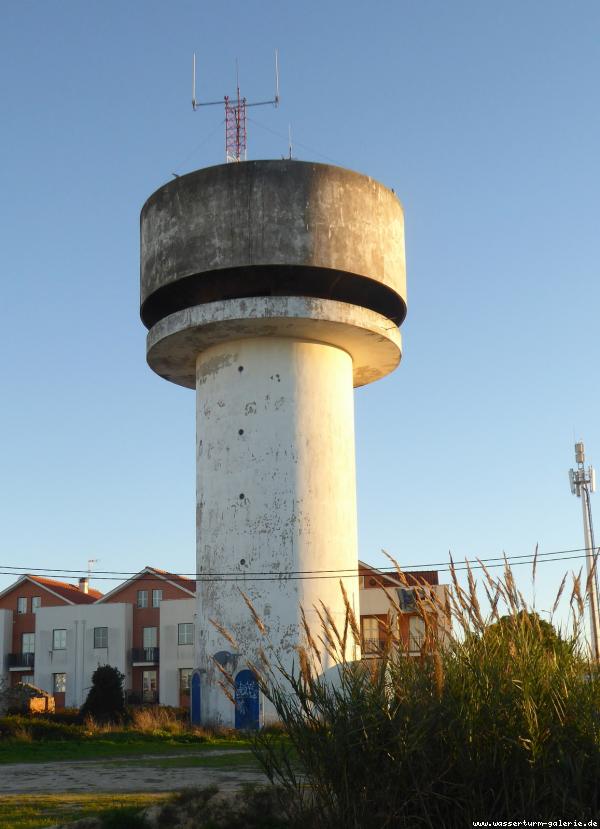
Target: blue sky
485, 120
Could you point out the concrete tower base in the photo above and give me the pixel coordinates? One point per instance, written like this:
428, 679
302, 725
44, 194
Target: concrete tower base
276, 496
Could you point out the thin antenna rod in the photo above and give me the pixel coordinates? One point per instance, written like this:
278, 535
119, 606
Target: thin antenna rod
290, 140
235, 112
194, 81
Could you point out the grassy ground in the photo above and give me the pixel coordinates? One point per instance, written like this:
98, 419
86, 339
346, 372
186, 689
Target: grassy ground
109, 745
37, 811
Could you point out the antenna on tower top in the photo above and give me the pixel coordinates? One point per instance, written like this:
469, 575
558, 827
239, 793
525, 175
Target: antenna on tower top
235, 112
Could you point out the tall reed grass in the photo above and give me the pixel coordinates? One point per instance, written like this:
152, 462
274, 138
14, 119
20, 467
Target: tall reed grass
497, 720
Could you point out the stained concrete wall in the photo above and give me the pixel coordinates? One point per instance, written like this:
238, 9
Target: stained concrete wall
261, 228
80, 659
276, 494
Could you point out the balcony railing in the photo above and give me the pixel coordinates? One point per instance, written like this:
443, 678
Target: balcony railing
144, 656
141, 697
21, 660
373, 645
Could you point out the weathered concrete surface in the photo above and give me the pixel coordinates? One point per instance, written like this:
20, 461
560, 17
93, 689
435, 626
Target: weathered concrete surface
260, 228
273, 287
276, 494
373, 341
133, 775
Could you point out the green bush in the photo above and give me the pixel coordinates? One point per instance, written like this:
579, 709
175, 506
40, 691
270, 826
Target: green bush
106, 699
33, 727
499, 721
67, 716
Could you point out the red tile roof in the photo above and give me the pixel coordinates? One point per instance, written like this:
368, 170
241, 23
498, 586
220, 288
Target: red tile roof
413, 577
180, 581
420, 576
71, 592
147, 574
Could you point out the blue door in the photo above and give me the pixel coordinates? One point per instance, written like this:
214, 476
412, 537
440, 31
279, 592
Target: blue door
246, 701
195, 705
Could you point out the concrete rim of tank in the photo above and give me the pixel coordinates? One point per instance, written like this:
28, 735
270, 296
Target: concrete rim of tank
373, 342
256, 161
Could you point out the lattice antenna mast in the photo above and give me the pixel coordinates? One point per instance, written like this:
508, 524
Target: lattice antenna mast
235, 113
583, 483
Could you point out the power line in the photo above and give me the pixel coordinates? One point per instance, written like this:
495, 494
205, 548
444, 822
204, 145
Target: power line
290, 575
278, 574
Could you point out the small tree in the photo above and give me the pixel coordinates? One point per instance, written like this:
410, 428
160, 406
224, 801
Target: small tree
105, 701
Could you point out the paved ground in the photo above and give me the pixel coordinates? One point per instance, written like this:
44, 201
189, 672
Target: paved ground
136, 774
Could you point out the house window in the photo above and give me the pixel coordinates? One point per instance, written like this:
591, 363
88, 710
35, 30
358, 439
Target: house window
26, 679
59, 683
185, 633
156, 598
59, 641
371, 634
142, 598
149, 686
35, 603
28, 643
100, 637
150, 637
22, 604
185, 679
416, 633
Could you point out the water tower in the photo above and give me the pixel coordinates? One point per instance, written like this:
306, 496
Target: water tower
272, 288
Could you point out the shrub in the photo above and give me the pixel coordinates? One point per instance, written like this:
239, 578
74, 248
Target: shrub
156, 720
496, 722
66, 716
105, 701
25, 728
256, 807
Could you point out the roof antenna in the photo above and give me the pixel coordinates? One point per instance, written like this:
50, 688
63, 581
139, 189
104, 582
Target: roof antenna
91, 562
235, 113
290, 141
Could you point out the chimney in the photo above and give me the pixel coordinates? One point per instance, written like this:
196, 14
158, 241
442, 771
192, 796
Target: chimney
84, 584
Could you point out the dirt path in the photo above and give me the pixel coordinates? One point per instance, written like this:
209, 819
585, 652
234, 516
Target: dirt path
145, 773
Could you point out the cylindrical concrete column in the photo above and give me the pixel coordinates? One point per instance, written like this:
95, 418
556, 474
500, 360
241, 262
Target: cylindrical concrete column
276, 493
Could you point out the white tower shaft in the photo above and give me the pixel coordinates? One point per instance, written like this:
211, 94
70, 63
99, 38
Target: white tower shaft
276, 495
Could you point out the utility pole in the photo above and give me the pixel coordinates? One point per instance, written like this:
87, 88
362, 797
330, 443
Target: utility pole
583, 483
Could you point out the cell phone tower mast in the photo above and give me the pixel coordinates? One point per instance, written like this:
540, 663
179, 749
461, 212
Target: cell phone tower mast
583, 483
235, 113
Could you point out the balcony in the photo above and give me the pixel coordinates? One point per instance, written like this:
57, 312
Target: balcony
372, 646
20, 661
141, 697
144, 656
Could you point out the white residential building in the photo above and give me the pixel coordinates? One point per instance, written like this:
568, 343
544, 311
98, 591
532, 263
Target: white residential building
177, 659
72, 641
